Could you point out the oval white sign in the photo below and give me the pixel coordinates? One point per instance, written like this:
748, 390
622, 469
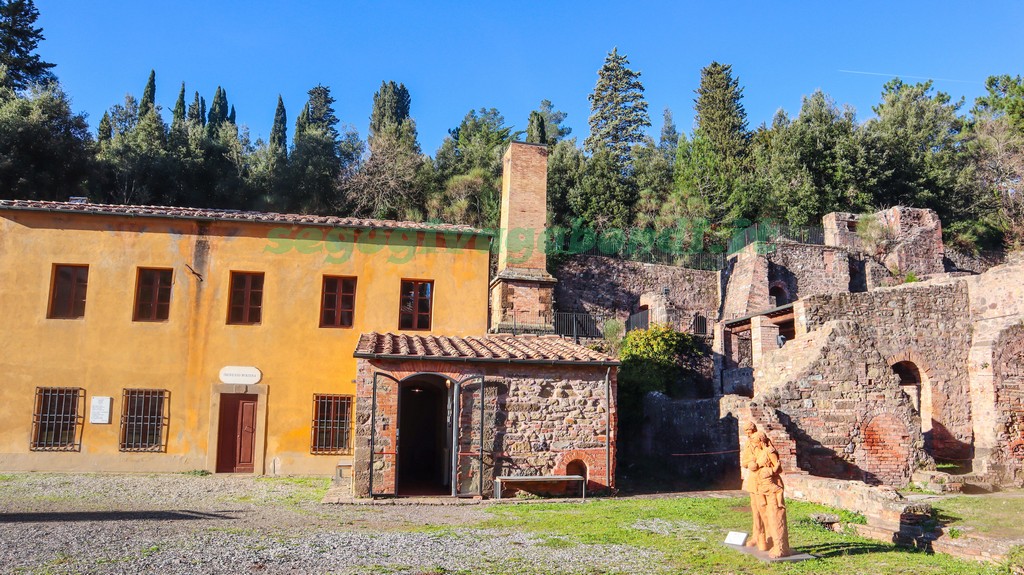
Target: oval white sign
240, 374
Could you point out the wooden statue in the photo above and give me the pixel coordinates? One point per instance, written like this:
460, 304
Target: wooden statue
768, 497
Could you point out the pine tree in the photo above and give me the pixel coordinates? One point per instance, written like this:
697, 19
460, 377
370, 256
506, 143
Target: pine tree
105, 131
668, 143
279, 131
721, 119
535, 131
148, 101
18, 41
565, 172
553, 119
316, 158
618, 109
605, 196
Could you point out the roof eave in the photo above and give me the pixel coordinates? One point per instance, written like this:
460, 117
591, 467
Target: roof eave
400, 357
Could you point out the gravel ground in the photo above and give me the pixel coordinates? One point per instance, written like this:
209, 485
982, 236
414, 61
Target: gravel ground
179, 523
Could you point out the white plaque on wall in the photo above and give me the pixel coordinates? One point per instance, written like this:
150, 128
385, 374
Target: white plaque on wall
99, 409
240, 374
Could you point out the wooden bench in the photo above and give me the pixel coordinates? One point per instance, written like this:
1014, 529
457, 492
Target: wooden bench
498, 481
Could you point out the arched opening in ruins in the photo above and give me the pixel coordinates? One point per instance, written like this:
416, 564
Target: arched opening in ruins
938, 440
778, 295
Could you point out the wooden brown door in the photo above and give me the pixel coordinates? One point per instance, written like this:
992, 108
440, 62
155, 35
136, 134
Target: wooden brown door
236, 436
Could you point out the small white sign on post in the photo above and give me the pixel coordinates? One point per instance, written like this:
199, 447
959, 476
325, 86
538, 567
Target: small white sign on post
736, 538
240, 374
99, 409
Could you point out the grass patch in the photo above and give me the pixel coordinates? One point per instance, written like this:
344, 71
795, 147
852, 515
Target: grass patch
197, 473
999, 515
697, 547
299, 490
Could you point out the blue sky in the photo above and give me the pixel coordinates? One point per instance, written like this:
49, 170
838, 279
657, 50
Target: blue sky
454, 56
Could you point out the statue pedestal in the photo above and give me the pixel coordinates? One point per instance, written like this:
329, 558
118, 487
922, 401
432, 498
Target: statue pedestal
763, 555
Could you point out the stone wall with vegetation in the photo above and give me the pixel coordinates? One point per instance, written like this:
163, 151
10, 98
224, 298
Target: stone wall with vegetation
804, 270
613, 286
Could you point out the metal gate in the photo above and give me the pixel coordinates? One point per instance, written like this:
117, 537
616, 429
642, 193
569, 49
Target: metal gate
454, 418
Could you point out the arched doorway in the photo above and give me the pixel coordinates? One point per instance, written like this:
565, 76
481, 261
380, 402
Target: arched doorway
424, 431
778, 295
939, 442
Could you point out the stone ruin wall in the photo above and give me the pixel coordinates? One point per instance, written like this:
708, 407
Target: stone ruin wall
612, 287
537, 420
928, 325
842, 406
1007, 462
804, 270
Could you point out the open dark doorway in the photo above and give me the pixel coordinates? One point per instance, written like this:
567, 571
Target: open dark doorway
424, 432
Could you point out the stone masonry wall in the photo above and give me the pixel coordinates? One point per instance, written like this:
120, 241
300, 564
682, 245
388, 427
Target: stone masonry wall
1008, 461
926, 324
746, 282
804, 270
538, 420
842, 405
613, 286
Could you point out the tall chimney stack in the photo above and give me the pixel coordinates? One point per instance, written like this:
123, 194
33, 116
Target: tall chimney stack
522, 292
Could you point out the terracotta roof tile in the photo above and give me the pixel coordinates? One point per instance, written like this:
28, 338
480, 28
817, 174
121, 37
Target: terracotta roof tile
228, 215
490, 348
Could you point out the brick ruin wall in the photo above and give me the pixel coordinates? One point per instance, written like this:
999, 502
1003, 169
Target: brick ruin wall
928, 325
612, 287
745, 280
538, 420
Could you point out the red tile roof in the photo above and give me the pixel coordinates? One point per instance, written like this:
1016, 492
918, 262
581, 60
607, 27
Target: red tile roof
228, 215
503, 348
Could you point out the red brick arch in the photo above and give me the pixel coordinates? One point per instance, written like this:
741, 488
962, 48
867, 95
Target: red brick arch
594, 459
923, 367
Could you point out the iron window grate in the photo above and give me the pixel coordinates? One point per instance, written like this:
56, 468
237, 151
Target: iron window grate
332, 424
144, 418
57, 419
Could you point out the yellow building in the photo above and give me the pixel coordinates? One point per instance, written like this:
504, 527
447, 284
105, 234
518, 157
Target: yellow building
170, 339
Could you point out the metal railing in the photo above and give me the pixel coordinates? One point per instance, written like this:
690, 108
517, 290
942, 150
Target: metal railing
638, 246
767, 232
639, 320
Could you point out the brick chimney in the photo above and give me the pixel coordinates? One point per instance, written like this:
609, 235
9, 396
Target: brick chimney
522, 292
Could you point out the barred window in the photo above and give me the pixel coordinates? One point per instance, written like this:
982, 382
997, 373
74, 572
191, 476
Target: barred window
337, 306
332, 421
144, 420
57, 419
67, 293
153, 295
416, 300
246, 304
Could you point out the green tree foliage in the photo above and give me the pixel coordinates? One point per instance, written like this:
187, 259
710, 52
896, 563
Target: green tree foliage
180, 114
390, 113
652, 175
913, 153
605, 197
1005, 98
618, 110
815, 162
656, 359
553, 119
45, 148
134, 162
565, 174
668, 142
319, 156
218, 111
710, 170
197, 110
148, 101
279, 131
536, 133
19, 38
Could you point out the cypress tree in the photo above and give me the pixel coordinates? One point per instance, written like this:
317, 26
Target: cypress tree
18, 41
231, 115
535, 131
218, 110
106, 130
279, 132
390, 107
178, 118
618, 111
197, 110
148, 101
